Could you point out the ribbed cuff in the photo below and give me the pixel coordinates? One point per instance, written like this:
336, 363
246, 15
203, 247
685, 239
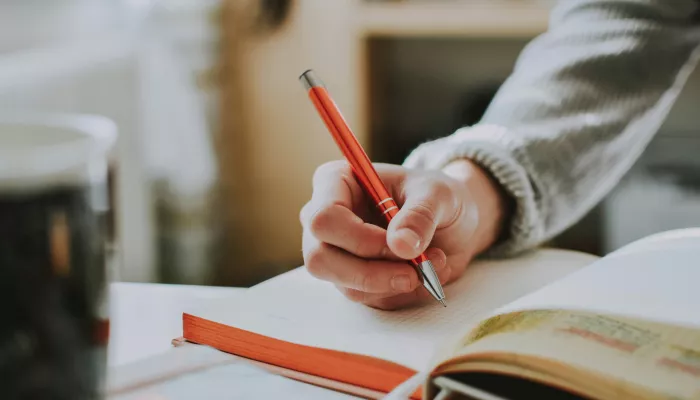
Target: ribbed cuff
499, 152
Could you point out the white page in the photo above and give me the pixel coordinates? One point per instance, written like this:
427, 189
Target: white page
657, 278
301, 309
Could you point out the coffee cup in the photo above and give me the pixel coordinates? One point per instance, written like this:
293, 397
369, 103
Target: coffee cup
54, 204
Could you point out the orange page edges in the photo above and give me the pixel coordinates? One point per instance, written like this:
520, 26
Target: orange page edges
354, 369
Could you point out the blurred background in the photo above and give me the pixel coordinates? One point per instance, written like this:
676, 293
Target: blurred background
218, 142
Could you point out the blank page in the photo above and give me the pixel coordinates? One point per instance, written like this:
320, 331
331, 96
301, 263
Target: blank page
655, 279
298, 308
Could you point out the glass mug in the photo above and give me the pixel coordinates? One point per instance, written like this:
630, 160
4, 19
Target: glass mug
54, 324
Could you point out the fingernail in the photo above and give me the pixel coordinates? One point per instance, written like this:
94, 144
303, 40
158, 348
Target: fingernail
409, 237
401, 283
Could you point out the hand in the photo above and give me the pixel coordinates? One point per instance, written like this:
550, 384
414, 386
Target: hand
452, 214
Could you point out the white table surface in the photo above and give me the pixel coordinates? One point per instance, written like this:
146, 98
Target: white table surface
146, 317
144, 320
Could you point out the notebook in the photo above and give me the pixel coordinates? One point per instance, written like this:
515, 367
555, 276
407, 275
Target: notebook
547, 323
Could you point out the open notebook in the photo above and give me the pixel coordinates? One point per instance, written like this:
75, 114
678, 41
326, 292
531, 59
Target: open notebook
625, 325
549, 324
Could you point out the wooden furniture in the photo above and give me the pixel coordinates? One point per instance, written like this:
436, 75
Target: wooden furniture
271, 142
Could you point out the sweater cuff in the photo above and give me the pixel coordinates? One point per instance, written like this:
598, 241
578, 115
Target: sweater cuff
499, 152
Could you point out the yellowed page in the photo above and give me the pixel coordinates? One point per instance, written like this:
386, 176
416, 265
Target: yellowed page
301, 309
597, 354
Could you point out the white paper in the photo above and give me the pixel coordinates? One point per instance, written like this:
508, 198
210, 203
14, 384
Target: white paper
657, 278
298, 308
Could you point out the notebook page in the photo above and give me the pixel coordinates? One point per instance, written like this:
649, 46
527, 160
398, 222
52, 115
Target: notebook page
298, 308
657, 278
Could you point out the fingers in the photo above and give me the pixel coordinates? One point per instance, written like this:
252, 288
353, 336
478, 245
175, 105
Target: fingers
332, 184
340, 227
329, 216
332, 264
429, 204
389, 301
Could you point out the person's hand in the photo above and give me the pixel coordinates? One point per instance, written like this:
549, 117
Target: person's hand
452, 214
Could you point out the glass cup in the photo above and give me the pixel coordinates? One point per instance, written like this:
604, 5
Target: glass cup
54, 324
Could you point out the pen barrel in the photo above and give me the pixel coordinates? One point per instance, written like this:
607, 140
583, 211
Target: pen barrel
364, 171
348, 144
388, 208
360, 163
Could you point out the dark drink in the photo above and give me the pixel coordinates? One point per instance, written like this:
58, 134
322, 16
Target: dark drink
54, 326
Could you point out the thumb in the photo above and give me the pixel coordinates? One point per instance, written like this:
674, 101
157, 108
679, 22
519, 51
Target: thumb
426, 207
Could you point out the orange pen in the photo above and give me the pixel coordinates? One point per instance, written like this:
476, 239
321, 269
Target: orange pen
364, 171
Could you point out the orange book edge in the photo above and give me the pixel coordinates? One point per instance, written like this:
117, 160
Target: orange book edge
334, 369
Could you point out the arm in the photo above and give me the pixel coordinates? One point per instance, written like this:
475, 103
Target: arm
581, 105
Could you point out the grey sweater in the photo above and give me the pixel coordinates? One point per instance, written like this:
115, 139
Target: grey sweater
582, 103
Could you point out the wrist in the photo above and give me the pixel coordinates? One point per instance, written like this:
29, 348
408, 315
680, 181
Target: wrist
492, 203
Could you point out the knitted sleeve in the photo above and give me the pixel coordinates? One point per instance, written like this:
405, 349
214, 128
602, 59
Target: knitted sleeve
583, 101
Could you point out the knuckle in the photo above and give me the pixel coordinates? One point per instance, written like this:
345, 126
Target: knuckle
423, 212
359, 248
363, 247
321, 219
363, 281
304, 213
315, 260
334, 167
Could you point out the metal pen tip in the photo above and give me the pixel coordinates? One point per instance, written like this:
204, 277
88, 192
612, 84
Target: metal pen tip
431, 281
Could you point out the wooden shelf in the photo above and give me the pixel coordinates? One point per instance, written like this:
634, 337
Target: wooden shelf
455, 18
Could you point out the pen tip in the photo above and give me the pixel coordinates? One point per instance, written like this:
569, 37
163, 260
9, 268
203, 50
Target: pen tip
443, 302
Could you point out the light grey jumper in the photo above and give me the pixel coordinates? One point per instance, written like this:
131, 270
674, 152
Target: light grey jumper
582, 103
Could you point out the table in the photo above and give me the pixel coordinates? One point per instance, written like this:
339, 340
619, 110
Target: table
146, 317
